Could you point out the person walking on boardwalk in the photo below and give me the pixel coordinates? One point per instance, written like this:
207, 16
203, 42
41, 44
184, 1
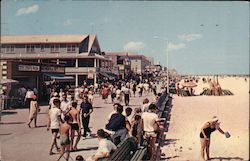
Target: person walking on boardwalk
54, 122
86, 109
127, 94
205, 133
33, 110
65, 129
28, 97
75, 125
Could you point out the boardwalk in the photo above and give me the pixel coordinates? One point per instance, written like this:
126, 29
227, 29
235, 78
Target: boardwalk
19, 143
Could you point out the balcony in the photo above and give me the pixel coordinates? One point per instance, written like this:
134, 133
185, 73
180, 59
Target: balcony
6, 56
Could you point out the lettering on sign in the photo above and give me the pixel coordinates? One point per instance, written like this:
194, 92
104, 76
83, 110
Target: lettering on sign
28, 68
52, 69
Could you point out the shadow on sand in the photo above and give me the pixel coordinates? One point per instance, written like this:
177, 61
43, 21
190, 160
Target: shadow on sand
226, 158
170, 141
165, 158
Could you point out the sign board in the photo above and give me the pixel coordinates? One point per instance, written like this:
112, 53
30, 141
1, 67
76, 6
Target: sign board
90, 74
28, 68
52, 69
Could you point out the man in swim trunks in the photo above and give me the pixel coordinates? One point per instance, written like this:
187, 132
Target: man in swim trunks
64, 138
75, 125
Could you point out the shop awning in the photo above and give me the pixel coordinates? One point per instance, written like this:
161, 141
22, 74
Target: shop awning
107, 75
60, 77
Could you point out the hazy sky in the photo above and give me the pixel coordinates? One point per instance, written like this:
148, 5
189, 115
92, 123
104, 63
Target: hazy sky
203, 37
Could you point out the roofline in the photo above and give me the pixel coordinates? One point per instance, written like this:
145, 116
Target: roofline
40, 35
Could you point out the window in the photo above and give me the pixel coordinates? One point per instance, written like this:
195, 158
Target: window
54, 48
30, 48
86, 62
71, 48
10, 49
42, 48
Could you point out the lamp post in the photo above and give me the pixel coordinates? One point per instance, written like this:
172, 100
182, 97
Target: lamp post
165, 39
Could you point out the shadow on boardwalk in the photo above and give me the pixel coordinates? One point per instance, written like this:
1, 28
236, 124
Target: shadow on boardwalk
226, 158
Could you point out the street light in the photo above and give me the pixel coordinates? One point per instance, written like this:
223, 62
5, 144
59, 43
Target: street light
165, 39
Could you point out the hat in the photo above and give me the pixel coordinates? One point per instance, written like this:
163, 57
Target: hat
215, 118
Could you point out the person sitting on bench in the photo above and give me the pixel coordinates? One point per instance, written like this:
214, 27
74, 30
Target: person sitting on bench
105, 146
118, 125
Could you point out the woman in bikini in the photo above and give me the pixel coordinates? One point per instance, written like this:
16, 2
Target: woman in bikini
205, 133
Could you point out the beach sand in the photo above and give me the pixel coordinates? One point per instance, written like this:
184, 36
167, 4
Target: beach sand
188, 114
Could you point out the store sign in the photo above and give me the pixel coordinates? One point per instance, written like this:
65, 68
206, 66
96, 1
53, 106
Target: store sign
90, 74
52, 69
28, 68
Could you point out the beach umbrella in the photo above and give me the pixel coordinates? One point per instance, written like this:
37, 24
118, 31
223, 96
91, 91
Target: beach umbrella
8, 81
189, 84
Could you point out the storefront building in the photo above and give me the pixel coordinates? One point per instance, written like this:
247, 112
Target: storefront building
80, 54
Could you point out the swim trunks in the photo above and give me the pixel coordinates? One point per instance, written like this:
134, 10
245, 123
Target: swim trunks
54, 130
74, 126
64, 140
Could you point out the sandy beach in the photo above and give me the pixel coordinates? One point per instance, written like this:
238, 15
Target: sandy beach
189, 113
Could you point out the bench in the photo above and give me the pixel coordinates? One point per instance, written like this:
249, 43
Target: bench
124, 151
139, 154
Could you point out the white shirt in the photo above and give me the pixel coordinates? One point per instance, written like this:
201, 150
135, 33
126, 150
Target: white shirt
91, 98
54, 113
105, 146
126, 90
29, 94
118, 92
65, 105
149, 119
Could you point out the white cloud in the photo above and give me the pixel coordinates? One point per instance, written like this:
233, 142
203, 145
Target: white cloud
134, 46
190, 37
172, 46
67, 22
24, 11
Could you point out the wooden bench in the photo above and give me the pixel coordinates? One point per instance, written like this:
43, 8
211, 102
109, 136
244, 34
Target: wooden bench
139, 154
125, 151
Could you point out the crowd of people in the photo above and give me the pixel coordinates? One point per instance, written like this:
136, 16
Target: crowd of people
69, 114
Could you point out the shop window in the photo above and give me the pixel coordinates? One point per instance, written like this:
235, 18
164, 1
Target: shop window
86, 62
54, 48
10, 49
30, 48
71, 48
82, 79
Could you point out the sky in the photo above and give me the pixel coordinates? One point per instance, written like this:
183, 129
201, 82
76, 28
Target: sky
197, 37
